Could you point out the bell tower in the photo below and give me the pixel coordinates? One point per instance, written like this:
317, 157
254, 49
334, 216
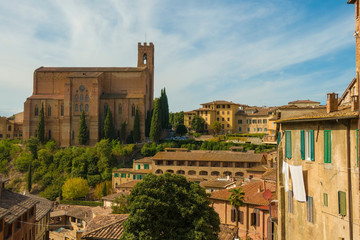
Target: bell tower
146, 59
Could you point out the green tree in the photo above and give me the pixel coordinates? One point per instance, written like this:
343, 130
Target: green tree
104, 191
123, 132
237, 199
41, 126
181, 129
155, 130
216, 127
164, 109
136, 131
32, 145
169, 207
198, 124
108, 126
120, 205
75, 188
148, 123
83, 130
29, 183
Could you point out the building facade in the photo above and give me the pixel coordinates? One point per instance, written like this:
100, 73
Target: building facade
64, 93
11, 127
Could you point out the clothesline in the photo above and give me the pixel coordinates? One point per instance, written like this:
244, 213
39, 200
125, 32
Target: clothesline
297, 179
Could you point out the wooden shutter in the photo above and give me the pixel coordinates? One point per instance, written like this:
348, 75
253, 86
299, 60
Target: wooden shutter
302, 143
279, 138
288, 144
253, 219
233, 214
342, 203
327, 146
312, 145
241, 217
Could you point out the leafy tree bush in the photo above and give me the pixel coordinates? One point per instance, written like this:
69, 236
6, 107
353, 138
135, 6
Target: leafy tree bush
93, 180
23, 161
216, 127
198, 124
120, 205
170, 207
99, 189
51, 192
75, 188
181, 129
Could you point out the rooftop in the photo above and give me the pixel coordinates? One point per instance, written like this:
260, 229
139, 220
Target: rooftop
221, 102
90, 69
270, 174
303, 101
43, 206
260, 168
216, 183
202, 155
253, 195
105, 227
112, 197
227, 232
144, 160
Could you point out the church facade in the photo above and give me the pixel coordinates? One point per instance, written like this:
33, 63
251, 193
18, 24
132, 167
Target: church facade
65, 92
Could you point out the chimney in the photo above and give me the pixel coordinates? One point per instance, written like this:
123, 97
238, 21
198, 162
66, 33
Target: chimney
332, 102
354, 103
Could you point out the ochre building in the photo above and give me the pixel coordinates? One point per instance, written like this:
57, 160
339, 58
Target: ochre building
65, 92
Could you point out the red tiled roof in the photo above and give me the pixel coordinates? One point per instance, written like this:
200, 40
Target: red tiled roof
302, 101
252, 194
270, 174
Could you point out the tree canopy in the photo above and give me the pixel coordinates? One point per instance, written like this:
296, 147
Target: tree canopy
41, 126
109, 126
216, 127
164, 106
237, 199
75, 188
181, 129
169, 207
198, 124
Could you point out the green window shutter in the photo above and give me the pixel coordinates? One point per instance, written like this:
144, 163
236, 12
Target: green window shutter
146, 166
302, 143
342, 203
288, 144
325, 199
357, 147
327, 146
114, 174
279, 138
138, 166
129, 175
134, 177
312, 151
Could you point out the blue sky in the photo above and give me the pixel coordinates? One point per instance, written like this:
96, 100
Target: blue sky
264, 53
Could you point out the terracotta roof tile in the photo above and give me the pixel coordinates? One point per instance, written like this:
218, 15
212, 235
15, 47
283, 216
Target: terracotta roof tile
200, 155
112, 197
302, 101
251, 190
105, 227
16, 204
217, 183
270, 174
260, 168
144, 160
43, 206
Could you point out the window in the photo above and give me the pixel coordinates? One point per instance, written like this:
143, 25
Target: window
264, 120
248, 129
228, 106
217, 113
217, 106
138, 166
87, 96
265, 129
290, 202
49, 111
307, 145
218, 119
222, 119
146, 166
327, 146
36, 110
76, 98
228, 119
239, 129
228, 125
86, 107
342, 203
254, 121
134, 176
241, 217
1, 135
144, 58
81, 107
228, 112
81, 98
255, 218
133, 110
62, 110
239, 121
233, 214
223, 107
223, 112
288, 144
123, 175
309, 203
49, 135
259, 121
9, 128
325, 196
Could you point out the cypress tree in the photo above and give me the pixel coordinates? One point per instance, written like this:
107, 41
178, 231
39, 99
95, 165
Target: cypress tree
29, 183
83, 131
41, 126
104, 192
155, 130
148, 123
123, 132
136, 131
108, 126
165, 110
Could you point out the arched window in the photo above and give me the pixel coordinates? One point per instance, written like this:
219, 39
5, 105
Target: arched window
49, 136
49, 111
133, 110
191, 172
145, 58
81, 98
9, 128
182, 172
215, 173
159, 171
76, 97
120, 109
62, 110
227, 174
36, 110
76, 108
203, 173
86, 97
239, 174
81, 107
86, 107
170, 171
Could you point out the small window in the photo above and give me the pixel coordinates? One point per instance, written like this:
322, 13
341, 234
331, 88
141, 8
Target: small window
264, 120
9, 128
81, 107
138, 166
310, 217
76, 98
241, 217
133, 110
36, 110
239, 129
76, 108
86, 107
81, 98
145, 58
86, 98
325, 196
233, 214
146, 166
228, 119
342, 203
49, 111
239, 121
307, 144
222, 119
62, 110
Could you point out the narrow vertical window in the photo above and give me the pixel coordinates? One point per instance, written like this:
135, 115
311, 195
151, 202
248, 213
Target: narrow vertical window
87, 96
49, 135
62, 110
49, 111
133, 110
309, 203
145, 58
81, 107
327, 146
36, 110
86, 107
76, 108
342, 203
81, 98
76, 98
288, 144
120, 109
